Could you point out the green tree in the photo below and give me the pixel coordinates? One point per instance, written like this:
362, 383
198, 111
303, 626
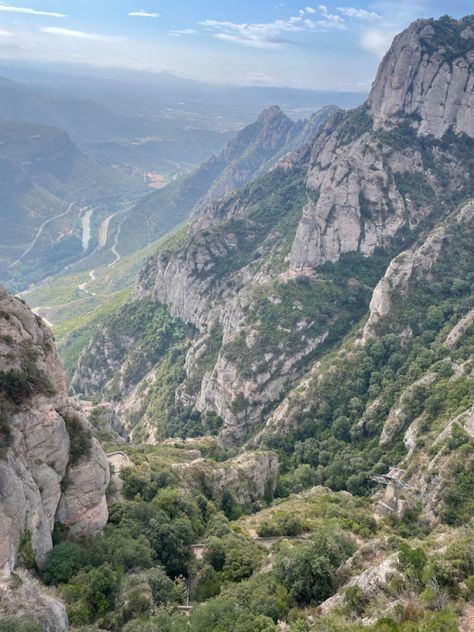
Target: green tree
62, 562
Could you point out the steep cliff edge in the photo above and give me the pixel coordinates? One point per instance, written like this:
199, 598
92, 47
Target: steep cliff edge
51, 469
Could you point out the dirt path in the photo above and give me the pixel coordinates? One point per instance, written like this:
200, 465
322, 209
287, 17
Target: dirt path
83, 286
38, 234
466, 622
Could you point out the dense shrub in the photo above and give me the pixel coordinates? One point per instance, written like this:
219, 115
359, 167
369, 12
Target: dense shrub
80, 438
62, 562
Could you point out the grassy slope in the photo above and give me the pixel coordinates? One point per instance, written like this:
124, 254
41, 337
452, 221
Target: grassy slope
74, 312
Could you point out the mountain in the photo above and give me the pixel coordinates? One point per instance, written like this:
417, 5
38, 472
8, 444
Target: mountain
253, 152
293, 382
284, 268
46, 183
168, 99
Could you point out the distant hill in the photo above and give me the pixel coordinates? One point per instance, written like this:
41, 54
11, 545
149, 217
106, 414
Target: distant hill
112, 138
83, 119
42, 172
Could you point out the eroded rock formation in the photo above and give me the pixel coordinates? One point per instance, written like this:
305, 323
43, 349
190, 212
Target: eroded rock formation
44, 475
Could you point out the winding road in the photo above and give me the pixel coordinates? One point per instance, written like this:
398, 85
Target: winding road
38, 234
114, 250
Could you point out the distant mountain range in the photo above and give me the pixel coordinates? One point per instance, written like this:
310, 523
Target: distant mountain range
252, 153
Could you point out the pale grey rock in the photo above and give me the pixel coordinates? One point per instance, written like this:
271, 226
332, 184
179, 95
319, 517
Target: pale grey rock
369, 581
355, 203
255, 151
398, 415
25, 595
82, 506
251, 475
407, 265
418, 80
459, 330
35, 465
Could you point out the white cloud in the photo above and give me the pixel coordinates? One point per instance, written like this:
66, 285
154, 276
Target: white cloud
310, 10
53, 30
4, 33
323, 8
181, 32
265, 35
143, 14
259, 77
376, 41
360, 14
7, 8
270, 34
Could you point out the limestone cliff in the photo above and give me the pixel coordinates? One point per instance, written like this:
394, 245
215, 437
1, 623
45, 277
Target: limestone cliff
50, 467
381, 169
250, 476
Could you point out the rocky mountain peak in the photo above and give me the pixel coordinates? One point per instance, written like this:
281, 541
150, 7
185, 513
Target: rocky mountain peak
272, 113
428, 75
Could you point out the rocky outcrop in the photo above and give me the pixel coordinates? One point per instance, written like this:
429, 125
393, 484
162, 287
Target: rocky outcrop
25, 596
405, 267
365, 172
256, 149
427, 74
364, 186
43, 477
250, 476
369, 582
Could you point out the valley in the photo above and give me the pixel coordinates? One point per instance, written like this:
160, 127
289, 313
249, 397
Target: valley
241, 400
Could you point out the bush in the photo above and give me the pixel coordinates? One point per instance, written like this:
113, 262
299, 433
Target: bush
5, 430
283, 525
355, 600
469, 582
63, 561
91, 594
162, 587
80, 438
23, 623
412, 562
308, 571
27, 555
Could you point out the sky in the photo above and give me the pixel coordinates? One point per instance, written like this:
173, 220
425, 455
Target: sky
332, 46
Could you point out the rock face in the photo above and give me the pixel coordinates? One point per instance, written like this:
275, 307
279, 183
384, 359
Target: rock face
428, 75
361, 193
410, 263
252, 153
250, 476
256, 148
27, 596
41, 481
